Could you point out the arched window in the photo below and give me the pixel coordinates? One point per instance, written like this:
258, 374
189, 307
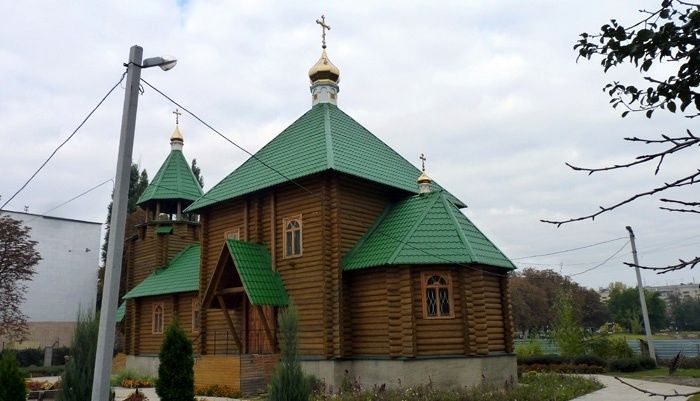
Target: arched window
157, 319
437, 295
292, 237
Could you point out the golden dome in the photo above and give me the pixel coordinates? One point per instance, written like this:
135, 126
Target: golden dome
176, 136
424, 178
324, 70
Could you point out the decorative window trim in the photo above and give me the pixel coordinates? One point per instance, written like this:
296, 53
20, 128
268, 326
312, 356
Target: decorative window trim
450, 294
233, 234
196, 316
285, 223
157, 319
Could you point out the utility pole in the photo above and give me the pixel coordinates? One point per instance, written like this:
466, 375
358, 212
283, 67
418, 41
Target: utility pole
642, 298
110, 292
115, 249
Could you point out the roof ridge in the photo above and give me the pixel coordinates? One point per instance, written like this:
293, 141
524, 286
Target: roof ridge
329, 138
458, 227
487, 238
413, 229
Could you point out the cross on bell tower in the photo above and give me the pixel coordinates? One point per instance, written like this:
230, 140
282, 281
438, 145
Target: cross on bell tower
324, 26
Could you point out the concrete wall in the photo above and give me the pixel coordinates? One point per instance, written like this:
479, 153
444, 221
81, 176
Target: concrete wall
143, 365
66, 276
448, 372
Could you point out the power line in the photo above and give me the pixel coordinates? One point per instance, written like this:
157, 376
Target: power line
571, 249
72, 199
601, 263
65, 141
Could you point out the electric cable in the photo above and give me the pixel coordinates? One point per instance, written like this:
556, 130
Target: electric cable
571, 249
43, 214
65, 141
601, 263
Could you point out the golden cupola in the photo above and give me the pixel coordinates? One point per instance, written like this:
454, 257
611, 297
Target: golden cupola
324, 70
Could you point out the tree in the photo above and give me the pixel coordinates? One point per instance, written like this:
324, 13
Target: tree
568, 333
18, 258
669, 35
534, 295
76, 381
288, 382
684, 313
12, 385
176, 371
138, 181
197, 173
625, 309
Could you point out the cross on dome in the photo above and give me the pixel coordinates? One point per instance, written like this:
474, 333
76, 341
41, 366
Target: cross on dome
324, 26
177, 116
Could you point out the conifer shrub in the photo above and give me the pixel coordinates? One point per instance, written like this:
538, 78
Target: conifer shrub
288, 382
176, 371
77, 376
12, 385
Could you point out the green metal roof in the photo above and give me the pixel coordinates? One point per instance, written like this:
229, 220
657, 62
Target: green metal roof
121, 311
180, 275
254, 266
174, 180
324, 138
164, 230
424, 229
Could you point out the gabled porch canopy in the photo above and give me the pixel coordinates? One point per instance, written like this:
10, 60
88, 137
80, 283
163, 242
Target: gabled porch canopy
245, 268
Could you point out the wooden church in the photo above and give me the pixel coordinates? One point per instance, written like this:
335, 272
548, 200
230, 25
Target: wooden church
391, 281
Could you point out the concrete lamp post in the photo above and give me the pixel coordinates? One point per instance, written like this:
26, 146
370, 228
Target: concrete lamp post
110, 291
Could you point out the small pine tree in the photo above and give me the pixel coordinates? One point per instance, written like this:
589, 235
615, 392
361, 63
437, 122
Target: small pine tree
288, 382
12, 385
76, 381
176, 371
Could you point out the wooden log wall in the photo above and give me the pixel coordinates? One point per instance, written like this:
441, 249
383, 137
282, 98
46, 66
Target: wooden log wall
370, 325
145, 251
147, 343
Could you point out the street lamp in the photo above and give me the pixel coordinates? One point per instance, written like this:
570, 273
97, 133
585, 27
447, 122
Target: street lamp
115, 249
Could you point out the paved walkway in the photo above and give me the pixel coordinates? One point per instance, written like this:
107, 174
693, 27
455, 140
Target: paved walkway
616, 391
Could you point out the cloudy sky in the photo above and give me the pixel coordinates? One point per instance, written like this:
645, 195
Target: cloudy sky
489, 91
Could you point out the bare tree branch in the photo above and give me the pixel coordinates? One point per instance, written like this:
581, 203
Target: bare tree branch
689, 180
680, 202
661, 270
678, 145
653, 394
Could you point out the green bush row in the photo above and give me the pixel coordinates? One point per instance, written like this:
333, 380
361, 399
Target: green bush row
631, 364
35, 356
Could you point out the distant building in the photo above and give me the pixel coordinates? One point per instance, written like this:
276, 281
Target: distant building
604, 294
66, 276
689, 290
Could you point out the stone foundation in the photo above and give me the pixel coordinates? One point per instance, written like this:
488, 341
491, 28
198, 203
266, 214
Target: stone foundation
442, 371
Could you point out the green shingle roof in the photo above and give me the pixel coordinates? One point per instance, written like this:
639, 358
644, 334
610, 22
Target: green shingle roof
254, 265
424, 229
180, 275
121, 311
174, 180
324, 138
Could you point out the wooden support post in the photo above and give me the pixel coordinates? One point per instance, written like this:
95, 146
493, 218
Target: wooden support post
229, 323
266, 327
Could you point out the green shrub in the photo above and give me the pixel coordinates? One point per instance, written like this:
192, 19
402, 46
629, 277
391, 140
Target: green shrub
561, 368
568, 334
30, 357
530, 348
624, 365
592, 360
608, 347
176, 371
647, 363
547, 359
79, 371
288, 382
130, 376
12, 385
